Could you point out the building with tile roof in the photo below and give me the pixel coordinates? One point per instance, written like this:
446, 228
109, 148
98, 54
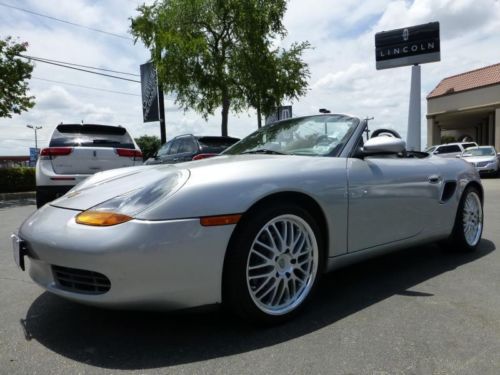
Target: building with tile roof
466, 106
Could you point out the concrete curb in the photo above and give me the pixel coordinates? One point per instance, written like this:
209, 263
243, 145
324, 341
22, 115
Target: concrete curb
16, 196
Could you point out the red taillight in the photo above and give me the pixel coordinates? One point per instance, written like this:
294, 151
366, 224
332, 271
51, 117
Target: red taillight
56, 151
204, 156
129, 153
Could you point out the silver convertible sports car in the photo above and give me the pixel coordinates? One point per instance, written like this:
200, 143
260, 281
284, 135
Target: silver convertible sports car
254, 228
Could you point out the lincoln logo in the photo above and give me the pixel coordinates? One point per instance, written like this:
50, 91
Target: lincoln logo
406, 34
413, 48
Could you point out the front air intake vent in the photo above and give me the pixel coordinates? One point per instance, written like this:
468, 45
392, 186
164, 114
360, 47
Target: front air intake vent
80, 281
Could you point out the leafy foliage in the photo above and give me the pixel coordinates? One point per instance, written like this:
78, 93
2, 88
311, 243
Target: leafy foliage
17, 179
14, 73
215, 53
149, 145
448, 139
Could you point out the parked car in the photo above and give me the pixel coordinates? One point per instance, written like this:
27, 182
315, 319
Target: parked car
484, 158
188, 147
253, 229
77, 151
450, 150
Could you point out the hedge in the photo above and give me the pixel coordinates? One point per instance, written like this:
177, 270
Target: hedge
14, 180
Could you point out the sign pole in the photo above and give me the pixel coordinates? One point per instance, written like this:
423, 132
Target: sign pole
413, 134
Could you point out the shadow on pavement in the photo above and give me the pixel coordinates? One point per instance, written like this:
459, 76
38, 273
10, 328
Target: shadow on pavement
144, 340
16, 203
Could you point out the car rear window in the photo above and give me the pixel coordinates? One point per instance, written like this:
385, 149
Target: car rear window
74, 135
448, 149
467, 145
216, 144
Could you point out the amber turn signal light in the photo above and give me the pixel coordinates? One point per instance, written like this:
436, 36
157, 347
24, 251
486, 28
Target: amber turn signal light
211, 221
101, 219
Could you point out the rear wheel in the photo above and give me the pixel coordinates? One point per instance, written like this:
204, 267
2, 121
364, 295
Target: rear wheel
273, 263
468, 226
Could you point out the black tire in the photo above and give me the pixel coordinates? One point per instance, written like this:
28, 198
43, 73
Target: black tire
236, 278
42, 198
457, 240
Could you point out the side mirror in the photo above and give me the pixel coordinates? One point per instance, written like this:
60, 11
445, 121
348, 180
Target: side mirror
383, 145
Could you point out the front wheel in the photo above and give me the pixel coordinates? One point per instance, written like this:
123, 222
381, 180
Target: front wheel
273, 263
468, 226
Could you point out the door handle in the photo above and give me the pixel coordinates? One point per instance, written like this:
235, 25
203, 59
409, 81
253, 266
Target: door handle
434, 179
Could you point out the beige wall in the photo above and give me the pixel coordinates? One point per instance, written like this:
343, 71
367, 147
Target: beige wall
486, 96
482, 100
497, 129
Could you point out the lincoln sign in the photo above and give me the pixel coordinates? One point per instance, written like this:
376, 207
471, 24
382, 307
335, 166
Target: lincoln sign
407, 46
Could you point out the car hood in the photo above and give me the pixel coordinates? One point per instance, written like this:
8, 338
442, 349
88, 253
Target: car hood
478, 159
106, 185
197, 178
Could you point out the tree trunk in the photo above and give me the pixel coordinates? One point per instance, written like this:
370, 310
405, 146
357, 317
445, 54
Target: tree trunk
259, 118
225, 112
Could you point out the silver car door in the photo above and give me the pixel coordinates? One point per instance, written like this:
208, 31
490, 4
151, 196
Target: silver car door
390, 199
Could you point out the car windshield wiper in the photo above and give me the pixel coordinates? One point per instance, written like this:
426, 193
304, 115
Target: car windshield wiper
264, 151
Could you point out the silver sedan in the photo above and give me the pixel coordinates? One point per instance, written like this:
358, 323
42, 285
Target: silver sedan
254, 228
484, 158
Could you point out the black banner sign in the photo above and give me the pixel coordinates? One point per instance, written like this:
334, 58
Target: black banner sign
149, 88
407, 46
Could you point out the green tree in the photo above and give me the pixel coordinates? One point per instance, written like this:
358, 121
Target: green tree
274, 76
215, 53
149, 145
448, 139
14, 76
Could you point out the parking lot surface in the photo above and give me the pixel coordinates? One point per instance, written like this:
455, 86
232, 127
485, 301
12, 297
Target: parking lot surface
416, 311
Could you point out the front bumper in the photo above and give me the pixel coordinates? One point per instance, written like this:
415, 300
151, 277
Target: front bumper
486, 167
150, 264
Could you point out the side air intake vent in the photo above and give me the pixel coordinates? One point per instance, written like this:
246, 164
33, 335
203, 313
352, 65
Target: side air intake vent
448, 190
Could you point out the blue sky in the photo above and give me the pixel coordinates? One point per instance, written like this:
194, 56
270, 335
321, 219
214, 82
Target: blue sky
342, 63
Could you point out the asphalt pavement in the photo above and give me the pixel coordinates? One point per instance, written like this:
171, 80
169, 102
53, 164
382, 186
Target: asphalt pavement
417, 311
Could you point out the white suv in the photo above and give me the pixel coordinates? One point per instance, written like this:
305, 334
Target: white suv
450, 150
77, 151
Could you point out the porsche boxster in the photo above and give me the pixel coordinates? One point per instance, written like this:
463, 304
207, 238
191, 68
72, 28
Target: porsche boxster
254, 228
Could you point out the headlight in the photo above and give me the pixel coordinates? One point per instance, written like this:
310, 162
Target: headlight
124, 207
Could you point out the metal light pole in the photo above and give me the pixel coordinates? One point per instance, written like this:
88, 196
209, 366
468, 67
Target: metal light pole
35, 128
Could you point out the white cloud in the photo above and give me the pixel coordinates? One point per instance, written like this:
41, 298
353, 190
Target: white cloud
343, 74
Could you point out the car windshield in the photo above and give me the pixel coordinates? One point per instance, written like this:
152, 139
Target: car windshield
479, 151
314, 136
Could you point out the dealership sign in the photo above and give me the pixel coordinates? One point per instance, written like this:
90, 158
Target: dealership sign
407, 46
34, 152
149, 89
281, 113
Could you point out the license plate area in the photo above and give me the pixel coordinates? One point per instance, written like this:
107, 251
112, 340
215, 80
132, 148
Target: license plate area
20, 250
